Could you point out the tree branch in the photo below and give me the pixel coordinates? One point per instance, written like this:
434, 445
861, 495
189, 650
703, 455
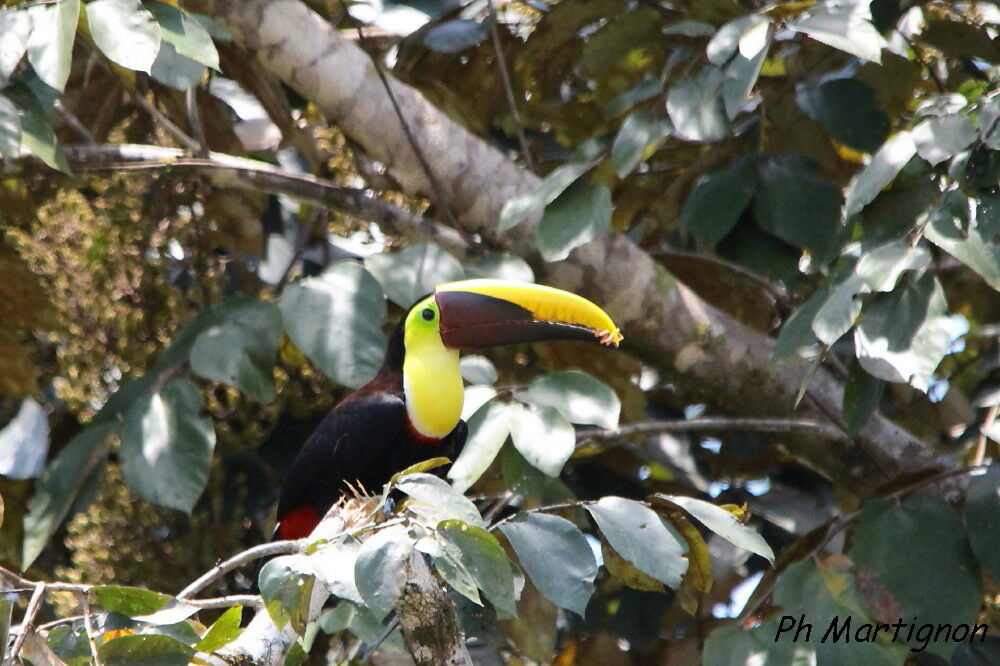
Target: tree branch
807, 426
230, 171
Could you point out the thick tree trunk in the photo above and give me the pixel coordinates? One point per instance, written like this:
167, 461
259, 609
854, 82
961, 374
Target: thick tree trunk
712, 357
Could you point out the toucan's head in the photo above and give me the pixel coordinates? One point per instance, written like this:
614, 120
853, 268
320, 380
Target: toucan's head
478, 314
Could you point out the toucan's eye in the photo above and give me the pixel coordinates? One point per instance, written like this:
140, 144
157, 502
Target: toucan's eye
427, 314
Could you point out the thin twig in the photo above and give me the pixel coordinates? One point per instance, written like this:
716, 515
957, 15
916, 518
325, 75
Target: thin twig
172, 129
238, 560
991, 417
48, 626
252, 600
718, 423
194, 120
507, 87
74, 122
29, 617
441, 201
550, 507
304, 231
499, 505
231, 171
88, 623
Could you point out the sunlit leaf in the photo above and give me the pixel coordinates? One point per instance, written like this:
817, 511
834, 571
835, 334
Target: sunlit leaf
336, 319
940, 137
167, 445
37, 136
960, 227
24, 442
543, 436
885, 165
185, 32
488, 430
556, 556
500, 266
724, 524
642, 538
580, 397
15, 26
380, 568
10, 128
844, 25
477, 369
125, 32
434, 499
903, 335
129, 600
696, 107
50, 45
406, 276
176, 70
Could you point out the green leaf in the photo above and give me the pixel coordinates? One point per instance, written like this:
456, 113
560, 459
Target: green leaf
862, 395
129, 600
125, 32
380, 569
732, 36
939, 581
723, 523
848, 110
718, 199
903, 335
543, 436
455, 35
448, 563
477, 369
241, 350
883, 168
638, 137
434, 499
488, 430
797, 332
577, 216
286, 586
336, 320
15, 27
406, 276
740, 76
732, 645
24, 442
179, 351
876, 270
696, 108
521, 207
798, 205
37, 136
940, 137
689, 29
10, 127
50, 45
500, 266
185, 32
959, 39
639, 536
580, 397
166, 447
962, 229
334, 564
843, 25
481, 554
556, 556
982, 518
148, 650
222, 632
175, 70
60, 485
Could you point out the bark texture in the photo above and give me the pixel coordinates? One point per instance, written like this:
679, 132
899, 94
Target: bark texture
712, 357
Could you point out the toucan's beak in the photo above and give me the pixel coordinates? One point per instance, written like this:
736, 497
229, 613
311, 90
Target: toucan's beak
477, 314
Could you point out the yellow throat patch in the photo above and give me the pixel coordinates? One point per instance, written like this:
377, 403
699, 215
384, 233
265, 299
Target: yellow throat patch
432, 382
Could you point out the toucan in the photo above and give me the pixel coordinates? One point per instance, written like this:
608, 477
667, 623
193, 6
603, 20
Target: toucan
411, 410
